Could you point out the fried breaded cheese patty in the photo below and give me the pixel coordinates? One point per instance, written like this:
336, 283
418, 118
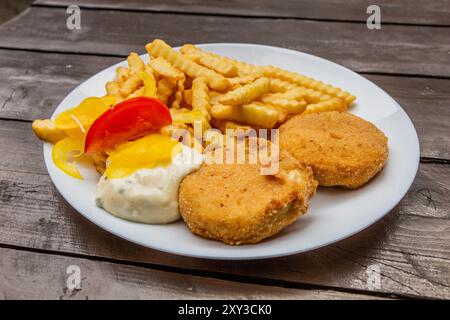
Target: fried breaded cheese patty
342, 149
236, 204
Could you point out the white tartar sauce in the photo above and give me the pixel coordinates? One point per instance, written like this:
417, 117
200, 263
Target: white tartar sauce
148, 195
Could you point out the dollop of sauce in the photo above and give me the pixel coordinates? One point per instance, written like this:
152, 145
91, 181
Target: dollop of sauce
148, 195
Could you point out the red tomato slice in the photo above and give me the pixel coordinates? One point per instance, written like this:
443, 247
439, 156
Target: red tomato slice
128, 120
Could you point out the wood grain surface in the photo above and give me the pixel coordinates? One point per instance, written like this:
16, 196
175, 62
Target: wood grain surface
396, 49
411, 244
34, 275
40, 234
435, 12
35, 83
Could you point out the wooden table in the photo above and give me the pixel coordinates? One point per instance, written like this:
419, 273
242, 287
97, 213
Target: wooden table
41, 235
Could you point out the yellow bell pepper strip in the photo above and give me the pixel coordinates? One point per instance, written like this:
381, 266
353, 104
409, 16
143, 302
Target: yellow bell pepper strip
76, 121
145, 153
149, 84
64, 153
128, 120
110, 100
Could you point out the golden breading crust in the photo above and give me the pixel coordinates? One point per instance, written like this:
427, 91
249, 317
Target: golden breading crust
342, 149
235, 204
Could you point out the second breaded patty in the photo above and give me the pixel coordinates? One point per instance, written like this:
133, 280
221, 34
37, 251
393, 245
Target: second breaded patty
235, 204
342, 149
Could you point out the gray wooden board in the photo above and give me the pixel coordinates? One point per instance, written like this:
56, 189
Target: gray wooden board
435, 12
395, 49
410, 245
31, 275
35, 82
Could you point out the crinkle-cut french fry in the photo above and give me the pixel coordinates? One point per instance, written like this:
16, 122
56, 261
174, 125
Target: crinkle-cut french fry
213, 94
176, 103
243, 67
287, 89
187, 96
244, 79
188, 82
223, 125
183, 115
256, 113
171, 129
237, 126
310, 95
278, 85
137, 93
334, 104
135, 63
155, 74
165, 69
283, 114
214, 80
113, 89
290, 105
313, 96
307, 82
122, 75
150, 71
165, 89
296, 93
129, 86
246, 93
214, 97
234, 87
46, 130
200, 97
220, 65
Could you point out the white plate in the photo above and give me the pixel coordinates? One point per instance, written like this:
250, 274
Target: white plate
334, 214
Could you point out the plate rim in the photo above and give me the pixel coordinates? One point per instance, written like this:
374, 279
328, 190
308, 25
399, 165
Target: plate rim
107, 228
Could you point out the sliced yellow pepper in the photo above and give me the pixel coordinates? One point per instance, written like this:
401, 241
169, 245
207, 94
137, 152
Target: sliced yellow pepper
63, 154
145, 153
76, 121
110, 100
149, 84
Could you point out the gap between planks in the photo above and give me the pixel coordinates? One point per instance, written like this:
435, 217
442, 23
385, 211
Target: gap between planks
244, 12
214, 275
394, 49
230, 15
413, 229
111, 55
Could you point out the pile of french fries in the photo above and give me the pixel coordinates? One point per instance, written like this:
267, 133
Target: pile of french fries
216, 91
223, 92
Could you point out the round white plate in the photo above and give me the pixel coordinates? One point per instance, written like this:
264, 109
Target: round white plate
334, 214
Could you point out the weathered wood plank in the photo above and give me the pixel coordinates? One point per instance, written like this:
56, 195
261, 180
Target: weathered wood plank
394, 49
414, 12
34, 83
29, 275
410, 245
